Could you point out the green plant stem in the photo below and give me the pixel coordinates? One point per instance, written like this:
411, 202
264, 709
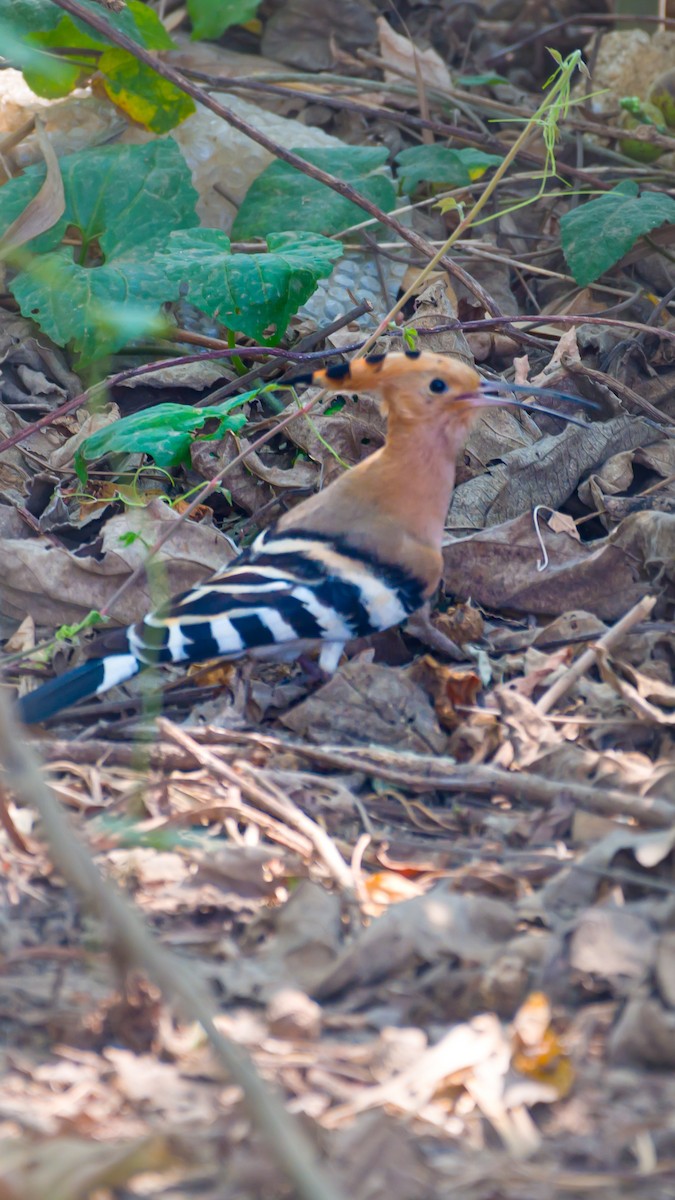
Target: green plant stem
552, 99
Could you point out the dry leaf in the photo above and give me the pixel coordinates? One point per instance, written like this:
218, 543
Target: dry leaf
56, 586
401, 53
366, 702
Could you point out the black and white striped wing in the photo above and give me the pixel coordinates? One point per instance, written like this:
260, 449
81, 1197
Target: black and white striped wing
287, 590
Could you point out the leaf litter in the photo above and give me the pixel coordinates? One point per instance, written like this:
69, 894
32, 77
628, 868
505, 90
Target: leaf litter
433, 900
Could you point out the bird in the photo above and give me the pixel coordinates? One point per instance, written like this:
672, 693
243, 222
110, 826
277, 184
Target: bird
356, 558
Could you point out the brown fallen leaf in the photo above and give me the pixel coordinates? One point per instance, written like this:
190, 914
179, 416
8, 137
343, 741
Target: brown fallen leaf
436, 927
46, 207
451, 688
402, 54
642, 693
545, 472
57, 586
345, 434
497, 567
538, 1052
366, 702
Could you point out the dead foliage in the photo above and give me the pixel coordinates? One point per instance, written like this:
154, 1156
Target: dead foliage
432, 898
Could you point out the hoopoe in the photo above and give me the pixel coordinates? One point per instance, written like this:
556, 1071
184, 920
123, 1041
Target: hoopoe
356, 558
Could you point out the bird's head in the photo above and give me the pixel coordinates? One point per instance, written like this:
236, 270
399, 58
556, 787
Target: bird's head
420, 386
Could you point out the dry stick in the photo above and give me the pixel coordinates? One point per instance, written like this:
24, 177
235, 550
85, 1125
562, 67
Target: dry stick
429, 773
278, 806
575, 19
295, 355
138, 948
274, 83
639, 612
338, 185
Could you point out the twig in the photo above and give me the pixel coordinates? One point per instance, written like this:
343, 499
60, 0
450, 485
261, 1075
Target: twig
277, 805
429, 773
639, 612
138, 948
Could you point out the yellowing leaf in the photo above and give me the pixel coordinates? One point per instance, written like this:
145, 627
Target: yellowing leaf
143, 94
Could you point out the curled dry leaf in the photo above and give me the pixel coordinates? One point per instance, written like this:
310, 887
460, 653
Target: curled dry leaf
402, 54
644, 1035
451, 688
427, 929
642, 693
611, 949
347, 435
62, 458
46, 207
618, 472
253, 484
538, 1052
579, 885
290, 947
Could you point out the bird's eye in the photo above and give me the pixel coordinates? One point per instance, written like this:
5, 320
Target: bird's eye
438, 385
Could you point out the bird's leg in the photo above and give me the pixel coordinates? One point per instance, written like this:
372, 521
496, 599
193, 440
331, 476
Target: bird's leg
323, 669
421, 626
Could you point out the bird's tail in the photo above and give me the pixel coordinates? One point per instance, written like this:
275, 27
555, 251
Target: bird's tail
93, 677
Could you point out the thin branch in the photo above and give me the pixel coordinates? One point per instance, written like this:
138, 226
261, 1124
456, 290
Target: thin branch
639, 612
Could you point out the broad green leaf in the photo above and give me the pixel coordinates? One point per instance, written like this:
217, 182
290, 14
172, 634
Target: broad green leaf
144, 26
139, 91
283, 198
250, 292
89, 306
210, 18
439, 164
136, 19
597, 234
35, 64
121, 196
165, 432
124, 201
28, 16
51, 76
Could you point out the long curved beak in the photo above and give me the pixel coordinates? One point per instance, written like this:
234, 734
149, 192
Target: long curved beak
494, 393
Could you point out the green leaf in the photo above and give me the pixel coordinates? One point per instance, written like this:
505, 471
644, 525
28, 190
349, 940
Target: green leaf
139, 91
137, 20
597, 234
283, 198
120, 196
124, 201
136, 88
439, 164
164, 432
210, 18
90, 306
250, 292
